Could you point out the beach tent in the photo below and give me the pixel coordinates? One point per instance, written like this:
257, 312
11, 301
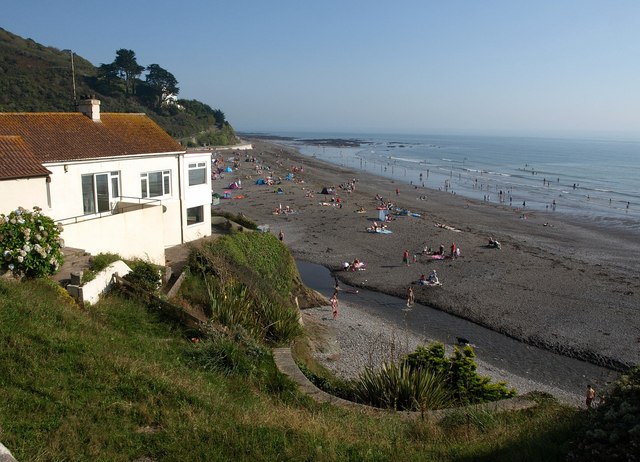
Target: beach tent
226, 195
382, 214
289, 176
278, 191
326, 190
233, 185
260, 181
228, 170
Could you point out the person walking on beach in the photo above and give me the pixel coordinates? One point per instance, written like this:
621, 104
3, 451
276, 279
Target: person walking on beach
410, 296
453, 250
591, 394
405, 257
334, 305
281, 235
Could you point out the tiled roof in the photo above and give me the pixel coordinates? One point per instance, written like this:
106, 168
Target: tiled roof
60, 136
17, 160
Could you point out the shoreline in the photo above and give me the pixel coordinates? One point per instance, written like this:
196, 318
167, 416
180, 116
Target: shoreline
548, 286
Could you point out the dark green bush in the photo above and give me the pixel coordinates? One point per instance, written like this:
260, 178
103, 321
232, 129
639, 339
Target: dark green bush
459, 372
612, 431
145, 275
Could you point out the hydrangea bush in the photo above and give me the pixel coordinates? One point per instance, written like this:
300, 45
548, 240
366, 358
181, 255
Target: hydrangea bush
30, 243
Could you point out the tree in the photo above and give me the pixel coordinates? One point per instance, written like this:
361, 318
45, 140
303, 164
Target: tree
108, 76
162, 83
128, 68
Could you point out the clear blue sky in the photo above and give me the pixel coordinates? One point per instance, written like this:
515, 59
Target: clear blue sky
514, 67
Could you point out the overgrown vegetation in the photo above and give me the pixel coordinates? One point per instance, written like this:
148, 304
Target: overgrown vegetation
145, 275
37, 78
398, 386
424, 379
458, 372
238, 218
30, 243
246, 280
97, 263
612, 430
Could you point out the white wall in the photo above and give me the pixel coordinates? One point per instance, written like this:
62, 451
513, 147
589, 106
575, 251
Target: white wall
23, 192
66, 187
92, 290
197, 195
134, 234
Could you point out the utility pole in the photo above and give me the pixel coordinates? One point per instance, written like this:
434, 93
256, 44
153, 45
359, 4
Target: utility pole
73, 79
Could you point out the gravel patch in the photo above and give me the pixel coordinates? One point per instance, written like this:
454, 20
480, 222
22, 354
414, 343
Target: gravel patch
357, 340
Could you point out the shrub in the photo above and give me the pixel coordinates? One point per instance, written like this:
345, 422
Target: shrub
401, 387
459, 372
612, 431
145, 275
30, 243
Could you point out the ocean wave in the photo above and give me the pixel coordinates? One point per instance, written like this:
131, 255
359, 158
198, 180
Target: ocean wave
404, 159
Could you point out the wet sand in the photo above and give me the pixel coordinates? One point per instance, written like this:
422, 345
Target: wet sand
571, 287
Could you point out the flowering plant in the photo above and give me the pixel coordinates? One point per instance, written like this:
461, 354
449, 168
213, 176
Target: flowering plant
30, 243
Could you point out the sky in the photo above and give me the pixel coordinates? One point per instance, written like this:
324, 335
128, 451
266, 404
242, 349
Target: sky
557, 67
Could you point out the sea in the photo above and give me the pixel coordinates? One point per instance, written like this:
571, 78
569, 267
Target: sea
591, 179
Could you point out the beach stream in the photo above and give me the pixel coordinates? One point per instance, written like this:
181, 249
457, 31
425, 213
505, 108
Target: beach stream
498, 350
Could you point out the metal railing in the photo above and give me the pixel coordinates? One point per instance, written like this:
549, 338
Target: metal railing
116, 210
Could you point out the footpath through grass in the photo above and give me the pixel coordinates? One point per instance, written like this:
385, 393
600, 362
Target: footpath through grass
113, 382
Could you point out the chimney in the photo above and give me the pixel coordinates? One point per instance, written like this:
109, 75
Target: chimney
90, 106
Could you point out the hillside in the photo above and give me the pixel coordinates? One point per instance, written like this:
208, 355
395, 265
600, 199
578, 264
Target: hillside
37, 78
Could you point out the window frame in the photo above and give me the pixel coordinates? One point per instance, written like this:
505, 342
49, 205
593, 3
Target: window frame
201, 215
195, 167
165, 184
96, 199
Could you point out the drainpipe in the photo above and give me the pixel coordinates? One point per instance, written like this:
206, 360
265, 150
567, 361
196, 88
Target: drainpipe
180, 200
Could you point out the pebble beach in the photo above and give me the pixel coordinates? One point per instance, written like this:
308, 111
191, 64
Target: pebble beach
565, 286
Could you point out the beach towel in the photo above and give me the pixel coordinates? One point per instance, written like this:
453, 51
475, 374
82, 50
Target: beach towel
438, 257
383, 231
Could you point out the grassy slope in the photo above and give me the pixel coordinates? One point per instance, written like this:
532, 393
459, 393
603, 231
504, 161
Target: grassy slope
113, 382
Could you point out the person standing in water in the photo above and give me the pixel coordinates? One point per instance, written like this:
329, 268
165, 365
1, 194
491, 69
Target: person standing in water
410, 296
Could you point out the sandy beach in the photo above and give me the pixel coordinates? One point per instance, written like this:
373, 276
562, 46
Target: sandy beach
570, 287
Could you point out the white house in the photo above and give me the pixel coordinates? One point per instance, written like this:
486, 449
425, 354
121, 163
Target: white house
116, 182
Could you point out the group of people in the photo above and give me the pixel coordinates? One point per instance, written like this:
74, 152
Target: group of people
356, 265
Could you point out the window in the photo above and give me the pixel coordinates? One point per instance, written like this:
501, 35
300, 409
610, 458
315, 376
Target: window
195, 215
115, 185
97, 189
197, 173
155, 184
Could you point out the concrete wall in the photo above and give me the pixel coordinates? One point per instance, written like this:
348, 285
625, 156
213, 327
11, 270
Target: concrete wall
23, 192
135, 234
92, 290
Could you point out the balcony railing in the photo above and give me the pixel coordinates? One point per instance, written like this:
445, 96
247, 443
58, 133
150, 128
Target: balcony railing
125, 204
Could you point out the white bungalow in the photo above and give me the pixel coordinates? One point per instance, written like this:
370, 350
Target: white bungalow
116, 182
